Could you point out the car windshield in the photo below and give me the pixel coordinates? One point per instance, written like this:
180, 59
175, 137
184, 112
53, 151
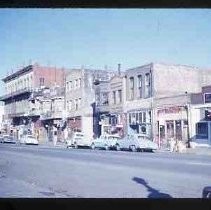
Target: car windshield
29, 136
113, 138
140, 137
79, 135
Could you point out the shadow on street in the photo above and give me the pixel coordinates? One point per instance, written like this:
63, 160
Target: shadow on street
153, 193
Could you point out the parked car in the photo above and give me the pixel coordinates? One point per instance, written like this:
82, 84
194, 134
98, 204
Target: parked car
28, 139
105, 142
1, 139
8, 139
136, 142
206, 193
78, 139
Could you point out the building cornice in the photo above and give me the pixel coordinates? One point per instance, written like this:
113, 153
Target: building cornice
18, 73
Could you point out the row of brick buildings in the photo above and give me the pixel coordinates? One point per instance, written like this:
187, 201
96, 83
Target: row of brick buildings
157, 100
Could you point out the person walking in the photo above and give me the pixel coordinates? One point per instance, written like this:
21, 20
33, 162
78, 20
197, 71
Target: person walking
172, 145
54, 136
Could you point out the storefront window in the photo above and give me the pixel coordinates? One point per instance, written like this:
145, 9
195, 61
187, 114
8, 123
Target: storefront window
170, 129
178, 130
202, 130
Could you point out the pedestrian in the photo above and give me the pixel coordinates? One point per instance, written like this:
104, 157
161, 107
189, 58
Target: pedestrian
54, 138
172, 145
37, 135
65, 135
181, 147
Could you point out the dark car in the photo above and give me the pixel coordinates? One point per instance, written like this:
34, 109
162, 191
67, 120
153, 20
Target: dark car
8, 139
206, 192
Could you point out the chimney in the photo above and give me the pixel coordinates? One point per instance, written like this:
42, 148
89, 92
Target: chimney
119, 69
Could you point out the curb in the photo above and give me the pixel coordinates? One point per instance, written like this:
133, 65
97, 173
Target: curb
52, 146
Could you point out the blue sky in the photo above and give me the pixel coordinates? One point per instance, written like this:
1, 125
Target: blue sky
98, 37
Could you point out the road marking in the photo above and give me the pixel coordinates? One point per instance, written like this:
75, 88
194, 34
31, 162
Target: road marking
199, 163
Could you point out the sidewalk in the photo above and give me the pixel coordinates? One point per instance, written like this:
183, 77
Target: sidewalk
51, 145
196, 151
199, 151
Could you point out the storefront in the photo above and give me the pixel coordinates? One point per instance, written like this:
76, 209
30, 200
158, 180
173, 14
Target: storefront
139, 121
74, 124
203, 133
172, 123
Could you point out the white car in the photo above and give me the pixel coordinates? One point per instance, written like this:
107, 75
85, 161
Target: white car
136, 142
8, 139
78, 139
105, 142
29, 139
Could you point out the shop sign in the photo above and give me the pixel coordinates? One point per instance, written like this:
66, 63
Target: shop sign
56, 121
170, 110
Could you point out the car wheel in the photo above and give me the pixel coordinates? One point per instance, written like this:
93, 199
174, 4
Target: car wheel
206, 192
75, 145
133, 148
106, 147
93, 146
118, 147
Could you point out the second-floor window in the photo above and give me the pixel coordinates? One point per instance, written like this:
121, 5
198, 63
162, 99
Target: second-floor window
104, 98
97, 99
67, 86
79, 103
70, 85
144, 117
147, 85
139, 86
120, 96
69, 105
27, 83
114, 97
79, 82
42, 81
76, 84
131, 88
76, 104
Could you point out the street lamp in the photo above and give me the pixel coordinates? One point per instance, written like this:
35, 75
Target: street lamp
187, 112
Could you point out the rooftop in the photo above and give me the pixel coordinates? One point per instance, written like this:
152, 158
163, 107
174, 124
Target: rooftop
17, 73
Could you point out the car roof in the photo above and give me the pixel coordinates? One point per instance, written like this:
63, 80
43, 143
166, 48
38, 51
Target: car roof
30, 136
111, 136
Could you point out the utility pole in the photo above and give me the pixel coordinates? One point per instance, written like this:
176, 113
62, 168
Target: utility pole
188, 129
187, 111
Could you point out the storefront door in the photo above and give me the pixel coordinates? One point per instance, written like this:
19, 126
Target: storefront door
170, 128
178, 129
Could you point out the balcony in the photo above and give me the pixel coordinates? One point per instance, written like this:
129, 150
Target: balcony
34, 112
51, 115
16, 93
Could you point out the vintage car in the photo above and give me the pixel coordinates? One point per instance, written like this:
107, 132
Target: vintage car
105, 142
136, 142
28, 139
8, 139
78, 139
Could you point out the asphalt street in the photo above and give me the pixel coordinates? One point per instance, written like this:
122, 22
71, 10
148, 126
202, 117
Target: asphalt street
36, 171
